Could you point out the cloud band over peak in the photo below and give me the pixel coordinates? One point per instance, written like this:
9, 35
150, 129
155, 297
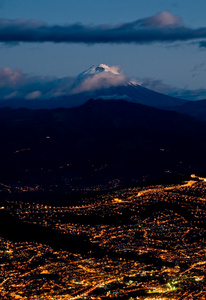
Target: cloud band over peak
162, 27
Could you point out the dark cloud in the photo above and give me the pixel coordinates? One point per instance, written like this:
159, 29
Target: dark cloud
161, 87
156, 85
193, 95
202, 44
163, 27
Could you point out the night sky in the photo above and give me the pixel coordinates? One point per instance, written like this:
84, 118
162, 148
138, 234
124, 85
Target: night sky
159, 44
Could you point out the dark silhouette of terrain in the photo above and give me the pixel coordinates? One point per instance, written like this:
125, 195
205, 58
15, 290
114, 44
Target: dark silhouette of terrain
196, 109
14, 229
97, 142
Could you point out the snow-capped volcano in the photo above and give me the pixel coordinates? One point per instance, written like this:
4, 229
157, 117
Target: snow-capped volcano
102, 81
99, 77
99, 69
107, 82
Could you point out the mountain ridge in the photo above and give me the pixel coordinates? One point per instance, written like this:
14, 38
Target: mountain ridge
196, 109
97, 82
96, 143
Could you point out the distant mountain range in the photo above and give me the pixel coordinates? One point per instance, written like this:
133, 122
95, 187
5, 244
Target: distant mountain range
101, 82
98, 82
196, 109
97, 143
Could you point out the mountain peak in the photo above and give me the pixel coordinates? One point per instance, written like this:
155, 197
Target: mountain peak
99, 69
106, 68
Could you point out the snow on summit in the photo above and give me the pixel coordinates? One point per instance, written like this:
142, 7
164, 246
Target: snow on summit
105, 68
99, 69
102, 76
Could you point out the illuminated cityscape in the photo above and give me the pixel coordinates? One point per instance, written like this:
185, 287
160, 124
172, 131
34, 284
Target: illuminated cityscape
102, 156
143, 242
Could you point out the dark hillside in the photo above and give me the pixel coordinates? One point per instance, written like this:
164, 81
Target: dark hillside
98, 142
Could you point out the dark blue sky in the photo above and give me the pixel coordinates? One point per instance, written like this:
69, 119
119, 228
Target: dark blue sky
162, 63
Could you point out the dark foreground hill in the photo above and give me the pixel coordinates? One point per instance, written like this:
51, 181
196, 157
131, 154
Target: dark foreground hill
196, 109
97, 143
